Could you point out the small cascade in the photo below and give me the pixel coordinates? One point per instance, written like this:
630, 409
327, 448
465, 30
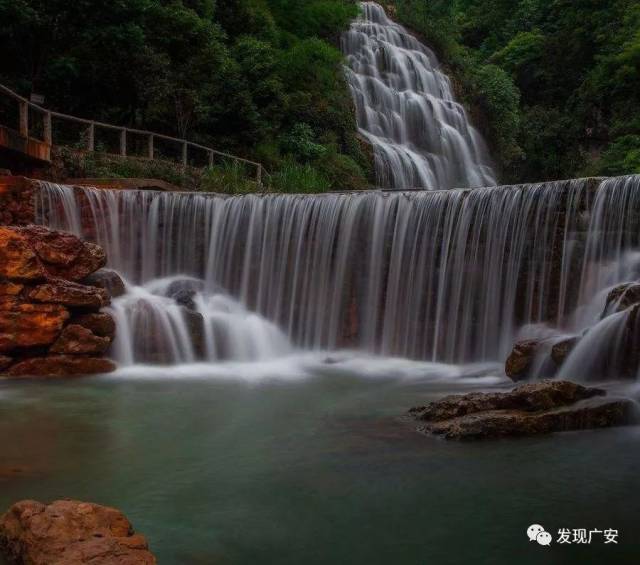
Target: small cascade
405, 108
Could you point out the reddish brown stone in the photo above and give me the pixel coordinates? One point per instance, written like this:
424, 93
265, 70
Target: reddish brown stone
519, 361
100, 324
28, 325
69, 294
108, 279
10, 289
5, 362
71, 532
18, 261
76, 340
61, 366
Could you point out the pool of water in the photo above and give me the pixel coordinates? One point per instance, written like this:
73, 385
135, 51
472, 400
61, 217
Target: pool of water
314, 468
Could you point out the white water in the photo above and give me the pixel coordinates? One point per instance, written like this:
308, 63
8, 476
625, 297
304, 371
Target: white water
444, 276
422, 138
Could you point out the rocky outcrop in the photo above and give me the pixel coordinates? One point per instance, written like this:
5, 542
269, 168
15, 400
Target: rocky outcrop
50, 324
68, 532
529, 409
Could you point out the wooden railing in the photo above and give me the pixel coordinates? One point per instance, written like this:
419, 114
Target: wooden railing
25, 106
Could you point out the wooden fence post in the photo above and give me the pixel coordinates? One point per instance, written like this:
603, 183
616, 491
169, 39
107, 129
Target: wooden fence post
210, 158
23, 125
123, 143
150, 148
185, 149
48, 129
259, 175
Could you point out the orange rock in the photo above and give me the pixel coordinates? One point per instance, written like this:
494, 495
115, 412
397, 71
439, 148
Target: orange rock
70, 294
77, 340
28, 325
10, 289
71, 532
61, 366
100, 324
17, 259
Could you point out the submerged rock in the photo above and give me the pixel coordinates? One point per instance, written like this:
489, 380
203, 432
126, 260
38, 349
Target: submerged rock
529, 409
70, 532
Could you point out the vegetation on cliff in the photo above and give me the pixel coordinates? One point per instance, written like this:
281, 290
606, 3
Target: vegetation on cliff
555, 84
260, 78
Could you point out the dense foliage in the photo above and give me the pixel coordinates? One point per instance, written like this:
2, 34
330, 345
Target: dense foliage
261, 78
554, 83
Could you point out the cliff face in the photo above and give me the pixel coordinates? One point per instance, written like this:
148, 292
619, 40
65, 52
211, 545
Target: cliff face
50, 321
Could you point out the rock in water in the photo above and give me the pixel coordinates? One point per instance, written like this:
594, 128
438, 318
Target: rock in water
529, 409
70, 532
109, 280
61, 366
521, 358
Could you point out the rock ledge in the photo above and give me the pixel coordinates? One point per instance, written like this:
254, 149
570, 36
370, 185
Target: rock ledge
529, 409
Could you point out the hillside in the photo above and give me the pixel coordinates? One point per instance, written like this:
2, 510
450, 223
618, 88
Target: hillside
260, 78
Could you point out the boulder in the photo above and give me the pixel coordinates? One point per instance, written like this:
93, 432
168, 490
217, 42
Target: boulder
61, 366
18, 261
28, 325
70, 294
521, 358
63, 255
529, 409
101, 324
107, 279
561, 349
70, 532
621, 297
78, 340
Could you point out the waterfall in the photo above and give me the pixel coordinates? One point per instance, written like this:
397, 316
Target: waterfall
432, 275
405, 108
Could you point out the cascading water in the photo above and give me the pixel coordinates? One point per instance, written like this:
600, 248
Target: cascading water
432, 275
421, 136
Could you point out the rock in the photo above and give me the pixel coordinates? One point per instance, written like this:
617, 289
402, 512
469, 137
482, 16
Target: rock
78, 340
107, 279
18, 260
10, 289
69, 294
195, 326
100, 324
28, 325
528, 409
621, 297
63, 255
70, 532
5, 362
185, 298
560, 350
519, 361
61, 366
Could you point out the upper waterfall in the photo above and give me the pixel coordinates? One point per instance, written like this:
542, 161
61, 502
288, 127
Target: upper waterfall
421, 136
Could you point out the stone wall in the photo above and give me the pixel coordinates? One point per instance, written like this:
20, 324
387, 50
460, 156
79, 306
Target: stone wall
50, 319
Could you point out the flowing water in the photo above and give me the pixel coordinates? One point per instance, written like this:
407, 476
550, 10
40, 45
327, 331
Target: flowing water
405, 108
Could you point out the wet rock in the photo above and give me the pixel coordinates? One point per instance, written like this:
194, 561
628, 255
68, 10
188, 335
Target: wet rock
10, 289
18, 260
622, 297
185, 298
528, 409
78, 340
521, 358
107, 279
63, 255
70, 532
70, 294
195, 326
61, 366
560, 350
100, 324
28, 325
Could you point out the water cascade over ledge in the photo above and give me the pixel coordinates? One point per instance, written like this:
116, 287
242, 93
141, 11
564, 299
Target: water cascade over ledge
421, 137
450, 276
